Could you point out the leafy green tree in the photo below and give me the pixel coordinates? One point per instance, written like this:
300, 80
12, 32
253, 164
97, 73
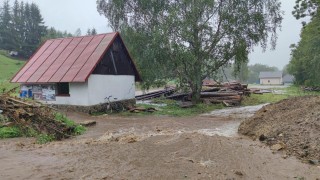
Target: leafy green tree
189, 39
305, 8
52, 33
305, 60
94, 31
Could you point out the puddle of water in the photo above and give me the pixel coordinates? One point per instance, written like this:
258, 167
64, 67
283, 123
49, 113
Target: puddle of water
148, 102
227, 130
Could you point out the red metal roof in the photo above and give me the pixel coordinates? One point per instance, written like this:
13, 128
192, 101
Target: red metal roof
65, 60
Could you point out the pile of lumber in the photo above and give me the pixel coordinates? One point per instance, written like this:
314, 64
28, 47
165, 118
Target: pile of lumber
229, 94
316, 89
30, 115
156, 94
228, 98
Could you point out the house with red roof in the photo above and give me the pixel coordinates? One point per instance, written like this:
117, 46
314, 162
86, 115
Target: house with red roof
80, 71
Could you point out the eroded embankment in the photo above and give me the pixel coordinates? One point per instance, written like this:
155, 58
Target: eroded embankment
291, 124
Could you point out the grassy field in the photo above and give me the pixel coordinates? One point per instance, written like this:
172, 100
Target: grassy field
291, 91
8, 68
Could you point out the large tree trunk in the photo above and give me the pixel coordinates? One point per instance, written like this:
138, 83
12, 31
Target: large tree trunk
196, 85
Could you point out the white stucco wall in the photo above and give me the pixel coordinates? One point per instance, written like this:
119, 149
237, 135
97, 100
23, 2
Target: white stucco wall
271, 81
120, 87
97, 88
78, 95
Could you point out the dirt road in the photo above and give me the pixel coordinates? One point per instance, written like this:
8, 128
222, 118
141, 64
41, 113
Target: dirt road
203, 147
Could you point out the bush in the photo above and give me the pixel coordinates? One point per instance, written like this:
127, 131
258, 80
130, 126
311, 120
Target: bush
78, 129
10, 132
44, 138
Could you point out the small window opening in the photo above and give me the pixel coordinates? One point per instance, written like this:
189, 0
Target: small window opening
63, 89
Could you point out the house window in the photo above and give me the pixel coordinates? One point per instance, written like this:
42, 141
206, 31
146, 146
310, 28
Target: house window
63, 89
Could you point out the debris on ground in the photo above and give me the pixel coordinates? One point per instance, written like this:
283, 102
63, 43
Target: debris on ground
29, 115
316, 89
88, 123
292, 125
142, 109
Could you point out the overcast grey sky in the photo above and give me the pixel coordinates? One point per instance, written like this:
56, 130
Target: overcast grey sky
72, 14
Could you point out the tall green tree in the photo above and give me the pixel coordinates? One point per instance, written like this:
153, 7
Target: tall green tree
305, 60
6, 27
191, 39
305, 57
94, 31
35, 28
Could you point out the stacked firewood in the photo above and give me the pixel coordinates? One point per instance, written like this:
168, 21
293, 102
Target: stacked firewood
29, 115
230, 94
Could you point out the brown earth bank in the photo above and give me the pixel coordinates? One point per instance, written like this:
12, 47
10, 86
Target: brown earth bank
292, 125
149, 147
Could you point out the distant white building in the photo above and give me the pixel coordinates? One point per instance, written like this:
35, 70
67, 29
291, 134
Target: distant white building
271, 78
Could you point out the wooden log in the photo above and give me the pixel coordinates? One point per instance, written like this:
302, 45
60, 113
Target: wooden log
218, 94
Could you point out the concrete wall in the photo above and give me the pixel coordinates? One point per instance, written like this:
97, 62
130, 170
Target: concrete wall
98, 87
119, 87
78, 95
271, 81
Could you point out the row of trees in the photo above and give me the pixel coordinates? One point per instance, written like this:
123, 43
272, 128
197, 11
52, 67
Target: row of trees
305, 60
247, 73
189, 40
21, 27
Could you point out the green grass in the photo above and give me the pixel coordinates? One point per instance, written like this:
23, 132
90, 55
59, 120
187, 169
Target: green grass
8, 68
44, 138
15, 131
78, 130
292, 91
256, 99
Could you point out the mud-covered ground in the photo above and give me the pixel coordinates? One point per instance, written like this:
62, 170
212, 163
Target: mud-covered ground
291, 124
202, 147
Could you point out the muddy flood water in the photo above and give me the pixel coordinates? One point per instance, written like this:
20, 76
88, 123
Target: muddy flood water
153, 147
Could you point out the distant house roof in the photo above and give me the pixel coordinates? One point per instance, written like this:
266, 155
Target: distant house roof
288, 78
277, 74
67, 59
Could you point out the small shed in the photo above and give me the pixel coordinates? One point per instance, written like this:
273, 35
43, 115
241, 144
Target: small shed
80, 71
271, 78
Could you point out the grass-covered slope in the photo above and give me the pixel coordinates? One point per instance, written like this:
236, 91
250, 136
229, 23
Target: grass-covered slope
8, 68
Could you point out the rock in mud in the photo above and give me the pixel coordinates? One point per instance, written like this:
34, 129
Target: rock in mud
88, 123
277, 147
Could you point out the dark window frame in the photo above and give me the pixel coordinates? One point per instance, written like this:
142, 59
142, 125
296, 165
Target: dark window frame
63, 89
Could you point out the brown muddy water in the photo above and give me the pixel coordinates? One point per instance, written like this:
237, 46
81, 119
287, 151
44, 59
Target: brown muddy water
153, 147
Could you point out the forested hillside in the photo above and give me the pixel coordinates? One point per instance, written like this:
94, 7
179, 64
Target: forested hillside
22, 28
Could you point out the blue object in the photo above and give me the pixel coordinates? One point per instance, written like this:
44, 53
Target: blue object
29, 93
23, 93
